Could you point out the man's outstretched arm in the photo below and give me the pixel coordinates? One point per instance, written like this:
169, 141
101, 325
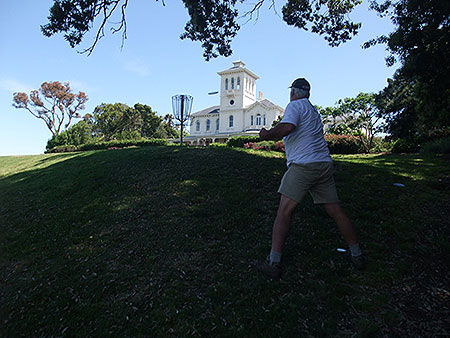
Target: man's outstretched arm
279, 131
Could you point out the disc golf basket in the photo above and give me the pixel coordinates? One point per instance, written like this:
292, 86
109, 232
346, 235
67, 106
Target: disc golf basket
182, 105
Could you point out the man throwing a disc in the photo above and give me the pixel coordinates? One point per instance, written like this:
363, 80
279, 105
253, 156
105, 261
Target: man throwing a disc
310, 169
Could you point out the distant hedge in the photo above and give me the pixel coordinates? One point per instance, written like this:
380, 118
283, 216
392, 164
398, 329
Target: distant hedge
239, 141
108, 145
338, 144
343, 144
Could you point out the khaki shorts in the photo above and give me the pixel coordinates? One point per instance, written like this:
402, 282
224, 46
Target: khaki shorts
315, 178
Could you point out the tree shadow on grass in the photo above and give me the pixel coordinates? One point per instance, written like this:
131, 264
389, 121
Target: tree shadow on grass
159, 240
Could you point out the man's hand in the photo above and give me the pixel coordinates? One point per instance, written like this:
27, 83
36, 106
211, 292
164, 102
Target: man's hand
279, 131
263, 133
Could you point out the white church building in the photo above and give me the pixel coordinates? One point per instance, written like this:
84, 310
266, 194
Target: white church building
239, 112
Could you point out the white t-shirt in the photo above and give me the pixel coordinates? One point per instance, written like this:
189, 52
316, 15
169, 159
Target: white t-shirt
305, 144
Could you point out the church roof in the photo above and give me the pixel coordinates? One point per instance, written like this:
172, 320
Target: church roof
206, 111
265, 103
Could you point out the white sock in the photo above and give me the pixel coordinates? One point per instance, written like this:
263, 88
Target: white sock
275, 257
355, 250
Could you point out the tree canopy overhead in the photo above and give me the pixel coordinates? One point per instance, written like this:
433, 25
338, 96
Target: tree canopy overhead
212, 22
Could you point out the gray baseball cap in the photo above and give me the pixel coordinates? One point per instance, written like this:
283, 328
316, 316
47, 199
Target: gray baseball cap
301, 83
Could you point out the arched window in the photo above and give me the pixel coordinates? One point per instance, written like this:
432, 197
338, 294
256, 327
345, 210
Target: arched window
232, 83
264, 117
197, 126
231, 123
208, 125
226, 84
251, 120
258, 119
217, 124
238, 84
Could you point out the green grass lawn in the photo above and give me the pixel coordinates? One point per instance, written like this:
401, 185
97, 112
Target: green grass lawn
159, 242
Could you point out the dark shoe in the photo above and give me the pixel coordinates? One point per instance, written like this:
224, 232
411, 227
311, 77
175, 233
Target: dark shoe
271, 270
359, 262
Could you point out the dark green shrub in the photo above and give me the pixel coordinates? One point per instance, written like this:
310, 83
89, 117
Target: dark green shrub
440, 146
109, 144
78, 134
405, 146
217, 145
239, 141
62, 149
380, 145
343, 144
123, 144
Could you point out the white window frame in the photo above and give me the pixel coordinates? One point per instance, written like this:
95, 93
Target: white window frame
258, 119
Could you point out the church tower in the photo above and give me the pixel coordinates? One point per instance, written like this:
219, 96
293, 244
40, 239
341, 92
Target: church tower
238, 87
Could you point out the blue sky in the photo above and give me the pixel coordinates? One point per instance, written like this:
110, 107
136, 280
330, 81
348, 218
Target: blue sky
155, 64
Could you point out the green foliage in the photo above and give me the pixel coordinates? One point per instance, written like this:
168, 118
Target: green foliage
218, 145
114, 144
121, 122
404, 145
151, 123
381, 145
239, 141
417, 99
343, 144
62, 149
359, 116
79, 133
123, 144
439, 146
167, 128
116, 122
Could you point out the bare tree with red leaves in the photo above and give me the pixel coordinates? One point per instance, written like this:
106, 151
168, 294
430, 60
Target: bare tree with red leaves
62, 104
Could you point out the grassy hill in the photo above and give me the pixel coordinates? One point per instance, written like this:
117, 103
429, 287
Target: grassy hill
159, 242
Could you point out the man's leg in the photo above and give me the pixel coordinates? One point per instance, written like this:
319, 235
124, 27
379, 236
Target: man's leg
343, 222
282, 223
347, 229
280, 231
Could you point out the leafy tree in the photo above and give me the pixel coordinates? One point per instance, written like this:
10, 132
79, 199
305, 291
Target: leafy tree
357, 116
79, 133
167, 129
332, 122
417, 100
57, 106
116, 122
212, 22
150, 121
